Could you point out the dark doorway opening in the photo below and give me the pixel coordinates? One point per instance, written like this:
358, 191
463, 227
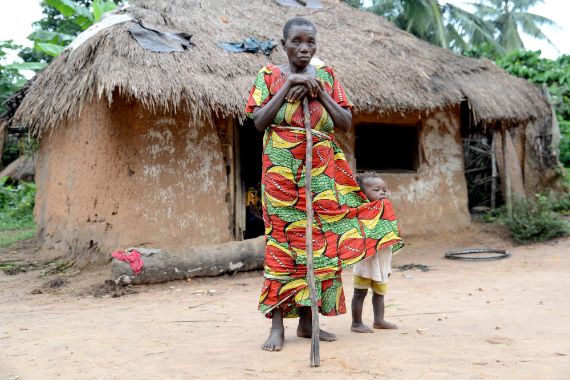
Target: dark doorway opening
249, 156
483, 182
481, 174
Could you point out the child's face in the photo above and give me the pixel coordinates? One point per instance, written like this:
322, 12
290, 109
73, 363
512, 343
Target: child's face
374, 188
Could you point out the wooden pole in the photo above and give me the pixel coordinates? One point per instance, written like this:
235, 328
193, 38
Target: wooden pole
494, 171
508, 187
315, 351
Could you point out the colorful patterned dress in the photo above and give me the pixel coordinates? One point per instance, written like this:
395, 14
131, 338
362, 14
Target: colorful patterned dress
347, 227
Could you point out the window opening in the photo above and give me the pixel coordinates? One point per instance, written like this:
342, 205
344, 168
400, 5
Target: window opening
387, 147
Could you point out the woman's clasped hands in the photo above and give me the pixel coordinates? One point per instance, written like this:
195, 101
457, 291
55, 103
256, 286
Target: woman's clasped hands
302, 85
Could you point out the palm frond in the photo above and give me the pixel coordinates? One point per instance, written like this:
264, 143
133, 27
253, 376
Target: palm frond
483, 10
456, 40
510, 38
530, 28
477, 29
523, 5
536, 19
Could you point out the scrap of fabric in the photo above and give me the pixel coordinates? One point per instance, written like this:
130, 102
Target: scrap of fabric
133, 258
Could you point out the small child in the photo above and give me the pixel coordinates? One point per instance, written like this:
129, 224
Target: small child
374, 272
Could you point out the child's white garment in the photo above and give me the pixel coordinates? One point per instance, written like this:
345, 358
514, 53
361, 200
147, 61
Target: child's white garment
377, 268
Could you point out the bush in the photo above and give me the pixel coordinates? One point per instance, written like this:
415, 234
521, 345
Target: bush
534, 220
562, 206
16, 204
565, 142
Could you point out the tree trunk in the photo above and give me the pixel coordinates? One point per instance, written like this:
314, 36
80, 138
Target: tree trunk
209, 260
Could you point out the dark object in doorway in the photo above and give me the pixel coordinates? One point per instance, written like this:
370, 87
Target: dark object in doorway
483, 254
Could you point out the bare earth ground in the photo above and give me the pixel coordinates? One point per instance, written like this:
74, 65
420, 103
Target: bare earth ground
506, 319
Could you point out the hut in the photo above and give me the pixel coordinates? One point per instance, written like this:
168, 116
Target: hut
145, 148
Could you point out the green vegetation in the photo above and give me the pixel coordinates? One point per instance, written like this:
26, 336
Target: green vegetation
16, 203
10, 78
562, 206
63, 20
16, 212
554, 75
534, 220
55, 28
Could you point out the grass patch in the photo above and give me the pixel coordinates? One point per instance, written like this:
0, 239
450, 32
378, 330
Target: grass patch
11, 236
48, 268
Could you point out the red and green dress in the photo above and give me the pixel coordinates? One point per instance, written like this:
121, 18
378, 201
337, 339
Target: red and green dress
347, 228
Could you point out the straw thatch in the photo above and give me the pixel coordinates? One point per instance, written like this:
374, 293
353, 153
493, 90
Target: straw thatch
383, 68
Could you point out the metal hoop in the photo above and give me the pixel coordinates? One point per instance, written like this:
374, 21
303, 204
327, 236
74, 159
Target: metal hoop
463, 254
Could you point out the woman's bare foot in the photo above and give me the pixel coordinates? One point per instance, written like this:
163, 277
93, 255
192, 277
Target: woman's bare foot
277, 333
275, 340
384, 325
361, 328
305, 328
323, 335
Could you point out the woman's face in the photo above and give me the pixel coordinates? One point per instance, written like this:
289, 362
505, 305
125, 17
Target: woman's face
300, 45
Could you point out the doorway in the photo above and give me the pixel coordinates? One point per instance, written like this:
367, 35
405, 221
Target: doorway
249, 146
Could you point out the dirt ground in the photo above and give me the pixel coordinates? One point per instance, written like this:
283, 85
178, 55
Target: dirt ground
507, 319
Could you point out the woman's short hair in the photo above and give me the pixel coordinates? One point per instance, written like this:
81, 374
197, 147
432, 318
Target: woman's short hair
296, 21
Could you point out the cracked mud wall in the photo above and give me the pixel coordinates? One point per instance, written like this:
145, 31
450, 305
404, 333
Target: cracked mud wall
121, 176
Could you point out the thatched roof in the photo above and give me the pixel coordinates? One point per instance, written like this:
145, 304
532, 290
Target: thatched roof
383, 68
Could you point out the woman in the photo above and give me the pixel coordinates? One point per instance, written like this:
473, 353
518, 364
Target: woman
347, 228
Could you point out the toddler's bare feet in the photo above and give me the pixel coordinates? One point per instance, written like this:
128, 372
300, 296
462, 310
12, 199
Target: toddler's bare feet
384, 325
361, 328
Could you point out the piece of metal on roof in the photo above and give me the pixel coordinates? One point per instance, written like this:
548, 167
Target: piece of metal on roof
313, 4
162, 42
249, 45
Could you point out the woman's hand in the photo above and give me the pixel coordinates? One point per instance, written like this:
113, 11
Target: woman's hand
296, 87
311, 83
297, 92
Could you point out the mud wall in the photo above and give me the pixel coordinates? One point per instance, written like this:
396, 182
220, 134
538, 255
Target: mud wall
433, 199
542, 169
121, 176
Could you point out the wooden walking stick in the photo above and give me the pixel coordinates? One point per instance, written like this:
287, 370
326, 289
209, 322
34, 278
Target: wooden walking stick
315, 352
